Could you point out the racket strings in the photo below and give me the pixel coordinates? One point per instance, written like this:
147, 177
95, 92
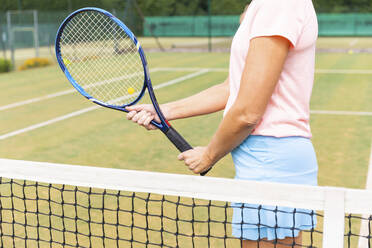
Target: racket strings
107, 26
84, 67
82, 38
102, 58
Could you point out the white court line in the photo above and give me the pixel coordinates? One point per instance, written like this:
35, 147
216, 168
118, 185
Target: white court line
192, 69
61, 93
329, 112
82, 111
66, 92
364, 226
339, 71
369, 177
318, 71
37, 99
216, 41
354, 42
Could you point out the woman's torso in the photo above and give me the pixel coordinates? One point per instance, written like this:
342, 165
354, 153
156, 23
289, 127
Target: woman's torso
288, 112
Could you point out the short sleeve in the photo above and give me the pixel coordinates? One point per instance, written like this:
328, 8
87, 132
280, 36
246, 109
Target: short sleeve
279, 18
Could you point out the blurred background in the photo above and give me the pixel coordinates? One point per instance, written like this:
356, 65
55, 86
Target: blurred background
28, 27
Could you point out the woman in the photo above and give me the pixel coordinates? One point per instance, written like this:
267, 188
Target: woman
266, 120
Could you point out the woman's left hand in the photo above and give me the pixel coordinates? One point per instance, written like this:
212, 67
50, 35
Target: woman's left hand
196, 159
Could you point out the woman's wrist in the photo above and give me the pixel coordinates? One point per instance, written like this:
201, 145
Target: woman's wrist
209, 156
166, 109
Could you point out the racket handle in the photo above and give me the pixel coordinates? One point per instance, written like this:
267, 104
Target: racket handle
180, 143
177, 140
205, 172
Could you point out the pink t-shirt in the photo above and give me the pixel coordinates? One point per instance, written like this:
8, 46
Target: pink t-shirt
288, 111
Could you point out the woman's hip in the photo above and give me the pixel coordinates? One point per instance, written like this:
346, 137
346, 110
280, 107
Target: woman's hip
266, 158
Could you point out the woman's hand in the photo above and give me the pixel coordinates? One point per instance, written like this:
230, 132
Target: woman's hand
208, 101
196, 159
144, 114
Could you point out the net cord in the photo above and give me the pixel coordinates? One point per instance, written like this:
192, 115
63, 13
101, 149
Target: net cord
219, 189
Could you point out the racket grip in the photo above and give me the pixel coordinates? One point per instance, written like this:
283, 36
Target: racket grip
180, 143
205, 172
178, 140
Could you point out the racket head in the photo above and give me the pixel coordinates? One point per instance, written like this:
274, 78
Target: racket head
102, 58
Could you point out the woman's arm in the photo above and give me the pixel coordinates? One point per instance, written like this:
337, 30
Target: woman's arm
264, 64
208, 101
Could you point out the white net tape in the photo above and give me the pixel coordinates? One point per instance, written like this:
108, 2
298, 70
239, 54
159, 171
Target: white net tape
102, 58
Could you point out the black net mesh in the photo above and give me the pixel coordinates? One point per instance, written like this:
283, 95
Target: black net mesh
47, 215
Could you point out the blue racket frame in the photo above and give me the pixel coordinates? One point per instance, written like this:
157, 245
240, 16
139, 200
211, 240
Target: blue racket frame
164, 125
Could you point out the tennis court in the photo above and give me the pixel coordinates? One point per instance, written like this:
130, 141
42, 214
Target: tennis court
341, 139
43, 119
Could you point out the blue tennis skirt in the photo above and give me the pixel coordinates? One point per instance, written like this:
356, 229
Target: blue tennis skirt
289, 160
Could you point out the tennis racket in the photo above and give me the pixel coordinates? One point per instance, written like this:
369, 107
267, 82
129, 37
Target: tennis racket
104, 61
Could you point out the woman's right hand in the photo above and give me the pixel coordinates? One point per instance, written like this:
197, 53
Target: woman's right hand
143, 115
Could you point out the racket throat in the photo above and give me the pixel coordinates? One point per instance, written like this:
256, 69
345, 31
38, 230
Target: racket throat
167, 122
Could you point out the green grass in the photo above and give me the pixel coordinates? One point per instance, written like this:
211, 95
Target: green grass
93, 137
342, 143
105, 138
344, 42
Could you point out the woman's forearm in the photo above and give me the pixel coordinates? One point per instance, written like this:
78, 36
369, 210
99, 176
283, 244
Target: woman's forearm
208, 101
259, 79
233, 130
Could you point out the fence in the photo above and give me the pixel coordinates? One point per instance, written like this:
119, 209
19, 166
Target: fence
178, 26
26, 34
345, 24
189, 26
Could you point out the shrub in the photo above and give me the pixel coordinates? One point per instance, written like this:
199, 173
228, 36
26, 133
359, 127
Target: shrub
34, 63
5, 65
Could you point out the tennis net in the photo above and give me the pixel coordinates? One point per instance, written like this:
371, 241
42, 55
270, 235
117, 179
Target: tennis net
55, 205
